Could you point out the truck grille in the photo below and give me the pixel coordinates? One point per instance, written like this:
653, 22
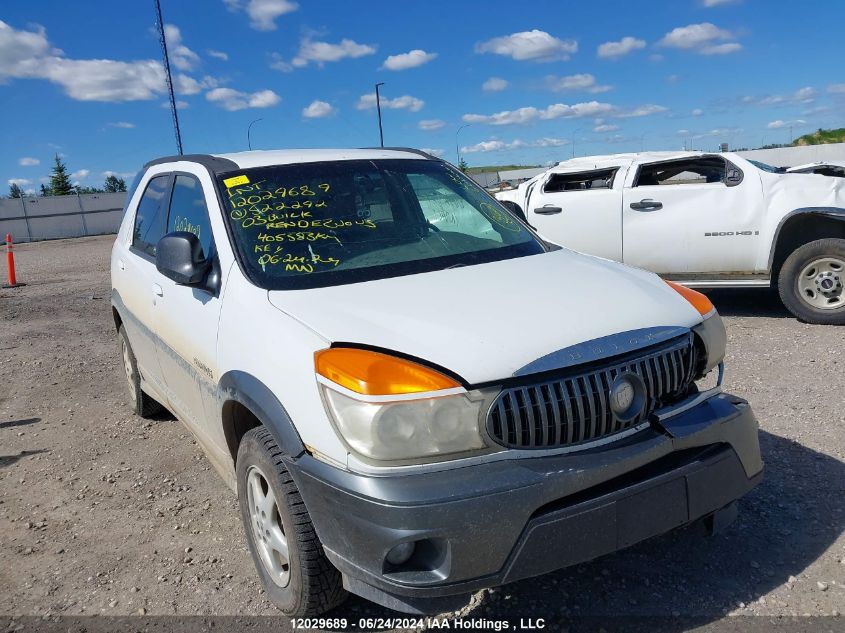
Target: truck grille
576, 408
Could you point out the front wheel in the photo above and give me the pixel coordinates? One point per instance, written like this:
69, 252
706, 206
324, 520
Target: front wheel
811, 282
287, 553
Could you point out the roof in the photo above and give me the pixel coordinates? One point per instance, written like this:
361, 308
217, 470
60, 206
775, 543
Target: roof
220, 163
614, 160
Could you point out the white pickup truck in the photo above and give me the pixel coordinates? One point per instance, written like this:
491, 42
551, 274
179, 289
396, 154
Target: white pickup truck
706, 220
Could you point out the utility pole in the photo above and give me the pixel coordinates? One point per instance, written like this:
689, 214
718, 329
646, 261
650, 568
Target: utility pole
378, 107
163, 41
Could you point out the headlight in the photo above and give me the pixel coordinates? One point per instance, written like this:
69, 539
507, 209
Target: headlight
389, 409
710, 333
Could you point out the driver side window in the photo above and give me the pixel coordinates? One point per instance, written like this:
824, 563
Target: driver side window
189, 212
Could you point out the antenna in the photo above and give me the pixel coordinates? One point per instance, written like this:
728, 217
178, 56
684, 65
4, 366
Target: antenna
163, 40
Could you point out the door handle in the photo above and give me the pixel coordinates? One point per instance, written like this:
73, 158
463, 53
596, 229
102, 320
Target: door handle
647, 204
157, 290
547, 210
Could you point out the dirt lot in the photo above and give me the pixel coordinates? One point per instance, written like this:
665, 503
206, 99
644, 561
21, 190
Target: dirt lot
103, 512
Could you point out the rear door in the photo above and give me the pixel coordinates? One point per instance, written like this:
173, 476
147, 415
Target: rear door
692, 215
136, 269
580, 210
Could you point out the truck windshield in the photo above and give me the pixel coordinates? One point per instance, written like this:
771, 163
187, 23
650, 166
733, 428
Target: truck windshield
328, 223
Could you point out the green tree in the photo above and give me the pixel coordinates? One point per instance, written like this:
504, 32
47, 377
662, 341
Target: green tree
463, 166
45, 191
15, 191
114, 184
79, 189
60, 180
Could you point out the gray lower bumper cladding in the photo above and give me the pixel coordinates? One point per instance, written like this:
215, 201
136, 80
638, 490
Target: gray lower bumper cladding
423, 543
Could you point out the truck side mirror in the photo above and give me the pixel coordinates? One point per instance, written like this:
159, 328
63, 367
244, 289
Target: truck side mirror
734, 177
179, 257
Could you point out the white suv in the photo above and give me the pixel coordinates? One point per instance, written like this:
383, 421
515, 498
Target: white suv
413, 395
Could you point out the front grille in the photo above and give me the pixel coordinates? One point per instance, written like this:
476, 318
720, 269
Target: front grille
575, 408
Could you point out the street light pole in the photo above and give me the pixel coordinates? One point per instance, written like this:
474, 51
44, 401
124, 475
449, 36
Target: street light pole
248, 129
457, 147
574, 132
378, 107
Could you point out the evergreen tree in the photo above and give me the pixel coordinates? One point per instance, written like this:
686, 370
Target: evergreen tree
463, 166
60, 184
45, 191
15, 191
114, 184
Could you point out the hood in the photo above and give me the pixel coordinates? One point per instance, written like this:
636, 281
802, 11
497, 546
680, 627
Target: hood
485, 322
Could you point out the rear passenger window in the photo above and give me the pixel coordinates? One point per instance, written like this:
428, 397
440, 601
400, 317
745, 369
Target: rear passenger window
581, 181
149, 218
188, 211
691, 171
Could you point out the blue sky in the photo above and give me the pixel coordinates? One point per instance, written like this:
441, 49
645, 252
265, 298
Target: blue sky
84, 78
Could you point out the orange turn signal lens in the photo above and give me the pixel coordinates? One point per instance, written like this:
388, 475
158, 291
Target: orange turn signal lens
375, 374
699, 301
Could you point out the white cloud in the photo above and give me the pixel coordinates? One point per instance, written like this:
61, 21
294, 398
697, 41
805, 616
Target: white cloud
836, 88
530, 114
605, 127
615, 50
262, 13
430, 125
318, 110
535, 45
82, 174
716, 3
180, 105
411, 59
405, 102
20, 182
27, 161
643, 110
321, 53
778, 124
804, 95
434, 152
496, 145
218, 54
232, 100
118, 174
180, 55
697, 112
494, 84
29, 55
704, 38
582, 82
121, 124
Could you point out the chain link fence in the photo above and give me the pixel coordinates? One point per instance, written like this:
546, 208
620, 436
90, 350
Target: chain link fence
31, 219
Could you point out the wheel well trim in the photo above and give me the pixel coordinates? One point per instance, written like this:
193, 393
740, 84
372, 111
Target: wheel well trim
835, 213
248, 391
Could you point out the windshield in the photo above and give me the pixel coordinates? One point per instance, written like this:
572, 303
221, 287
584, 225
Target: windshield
769, 168
318, 224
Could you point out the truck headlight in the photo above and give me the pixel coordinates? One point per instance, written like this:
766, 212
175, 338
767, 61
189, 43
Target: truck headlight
389, 409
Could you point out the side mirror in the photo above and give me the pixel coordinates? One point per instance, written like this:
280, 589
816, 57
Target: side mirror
179, 257
733, 178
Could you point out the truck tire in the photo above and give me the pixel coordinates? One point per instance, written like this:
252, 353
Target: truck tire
286, 551
811, 282
142, 404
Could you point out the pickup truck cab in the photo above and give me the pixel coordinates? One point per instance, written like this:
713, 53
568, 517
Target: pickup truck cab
414, 396
704, 220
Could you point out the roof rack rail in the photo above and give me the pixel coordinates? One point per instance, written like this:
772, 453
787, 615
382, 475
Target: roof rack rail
410, 150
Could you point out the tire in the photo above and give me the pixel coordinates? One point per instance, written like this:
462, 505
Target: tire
308, 585
811, 282
142, 404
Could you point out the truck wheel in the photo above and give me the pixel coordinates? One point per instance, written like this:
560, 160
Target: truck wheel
293, 568
811, 282
142, 404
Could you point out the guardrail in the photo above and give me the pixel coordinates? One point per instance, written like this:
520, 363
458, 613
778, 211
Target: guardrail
31, 219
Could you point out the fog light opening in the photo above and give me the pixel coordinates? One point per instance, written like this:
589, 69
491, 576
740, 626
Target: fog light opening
399, 554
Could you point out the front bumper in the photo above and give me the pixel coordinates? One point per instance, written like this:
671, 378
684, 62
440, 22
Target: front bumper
492, 523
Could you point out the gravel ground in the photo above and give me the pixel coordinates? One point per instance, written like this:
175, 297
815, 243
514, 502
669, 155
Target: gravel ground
102, 512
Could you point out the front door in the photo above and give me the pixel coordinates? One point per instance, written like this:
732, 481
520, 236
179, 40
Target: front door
692, 215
